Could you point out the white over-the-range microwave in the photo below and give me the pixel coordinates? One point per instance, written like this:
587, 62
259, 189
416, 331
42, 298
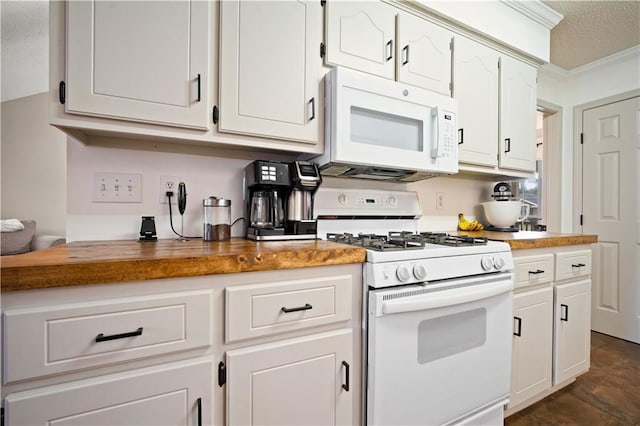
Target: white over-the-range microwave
385, 130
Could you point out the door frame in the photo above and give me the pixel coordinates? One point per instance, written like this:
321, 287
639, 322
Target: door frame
552, 164
578, 110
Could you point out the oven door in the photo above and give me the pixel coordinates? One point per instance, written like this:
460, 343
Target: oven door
438, 353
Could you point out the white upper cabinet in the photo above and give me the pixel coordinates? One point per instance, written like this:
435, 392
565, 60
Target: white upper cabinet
517, 115
361, 35
424, 54
270, 69
475, 85
139, 61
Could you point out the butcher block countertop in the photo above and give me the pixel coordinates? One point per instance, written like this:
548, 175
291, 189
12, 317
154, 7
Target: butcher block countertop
533, 239
97, 262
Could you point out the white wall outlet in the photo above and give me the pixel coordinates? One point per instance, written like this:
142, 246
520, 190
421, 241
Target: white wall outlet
117, 188
168, 183
439, 200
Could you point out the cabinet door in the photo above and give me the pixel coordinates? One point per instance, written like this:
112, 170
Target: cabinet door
517, 115
139, 61
572, 330
360, 35
171, 394
300, 381
531, 350
270, 69
475, 85
424, 54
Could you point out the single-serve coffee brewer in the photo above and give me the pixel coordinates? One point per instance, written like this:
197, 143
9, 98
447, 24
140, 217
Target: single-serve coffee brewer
279, 200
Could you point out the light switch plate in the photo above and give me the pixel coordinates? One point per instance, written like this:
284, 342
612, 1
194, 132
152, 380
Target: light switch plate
117, 188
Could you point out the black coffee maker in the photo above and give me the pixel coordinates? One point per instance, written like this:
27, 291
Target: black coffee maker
278, 200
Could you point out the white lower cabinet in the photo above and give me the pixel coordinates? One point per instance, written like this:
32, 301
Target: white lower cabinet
531, 350
572, 329
552, 321
300, 381
172, 394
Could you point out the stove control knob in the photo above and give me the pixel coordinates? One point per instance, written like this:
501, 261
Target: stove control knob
403, 273
342, 199
486, 262
420, 272
499, 262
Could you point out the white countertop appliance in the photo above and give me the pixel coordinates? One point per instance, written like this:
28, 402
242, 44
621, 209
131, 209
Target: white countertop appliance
381, 129
437, 312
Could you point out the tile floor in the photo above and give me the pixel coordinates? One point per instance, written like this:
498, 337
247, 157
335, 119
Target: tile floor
609, 394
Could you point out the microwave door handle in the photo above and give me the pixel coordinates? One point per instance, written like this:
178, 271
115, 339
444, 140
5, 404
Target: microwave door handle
436, 150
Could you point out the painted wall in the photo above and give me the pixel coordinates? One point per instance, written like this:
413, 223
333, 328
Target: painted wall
616, 74
34, 161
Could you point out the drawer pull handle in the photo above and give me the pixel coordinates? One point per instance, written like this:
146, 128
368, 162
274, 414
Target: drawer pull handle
102, 338
299, 308
198, 98
536, 272
519, 327
566, 312
578, 265
345, 385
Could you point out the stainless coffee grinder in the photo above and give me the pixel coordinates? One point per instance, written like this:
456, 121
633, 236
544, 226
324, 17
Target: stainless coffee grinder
278, 200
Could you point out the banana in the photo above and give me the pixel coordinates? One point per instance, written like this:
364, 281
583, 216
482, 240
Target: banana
465, 225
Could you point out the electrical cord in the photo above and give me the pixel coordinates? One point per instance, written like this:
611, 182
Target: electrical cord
169, 195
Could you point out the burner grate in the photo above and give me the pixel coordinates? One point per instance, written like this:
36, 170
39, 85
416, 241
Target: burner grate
404, 240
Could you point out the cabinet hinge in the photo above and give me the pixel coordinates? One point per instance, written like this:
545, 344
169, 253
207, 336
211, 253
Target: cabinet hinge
62, 92
215, 114
222, 374
581, 220
323, 2
451, 45
322, 50
581, 138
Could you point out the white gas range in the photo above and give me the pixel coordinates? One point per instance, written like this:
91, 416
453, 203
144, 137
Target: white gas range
437, 312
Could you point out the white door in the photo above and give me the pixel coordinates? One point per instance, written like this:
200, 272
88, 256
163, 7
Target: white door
532, 340
475, 85
169, 394
572, 337
361, 35
517, 148
301, 381
610, 209
140, 61
423, 54
270, 69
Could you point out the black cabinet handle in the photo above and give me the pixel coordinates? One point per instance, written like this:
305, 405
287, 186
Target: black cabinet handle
536, 272
102, 338
405, 50
507, 145
460, 136
345, 385
566, 312
390, 46
198, 98
518, 326
313, 108
578, 265
199, 405
296, 309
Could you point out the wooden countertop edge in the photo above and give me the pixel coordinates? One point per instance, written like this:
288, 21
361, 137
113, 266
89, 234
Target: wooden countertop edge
114, 271
530, 240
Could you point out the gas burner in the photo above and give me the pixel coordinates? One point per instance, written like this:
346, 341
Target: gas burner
452, 240
404, 240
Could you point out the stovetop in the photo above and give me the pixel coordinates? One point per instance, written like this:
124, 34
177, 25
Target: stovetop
404, 240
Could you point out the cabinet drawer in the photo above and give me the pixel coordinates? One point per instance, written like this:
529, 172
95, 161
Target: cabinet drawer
533, 270
54, 339
263, 309
573, 264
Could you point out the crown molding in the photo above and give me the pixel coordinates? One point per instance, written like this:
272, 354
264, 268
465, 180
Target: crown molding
554, 71
607, 60
537, 11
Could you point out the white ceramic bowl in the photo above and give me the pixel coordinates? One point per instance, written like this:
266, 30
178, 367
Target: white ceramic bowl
503, 214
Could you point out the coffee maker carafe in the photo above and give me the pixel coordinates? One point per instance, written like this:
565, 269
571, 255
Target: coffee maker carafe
279, 200
267, 184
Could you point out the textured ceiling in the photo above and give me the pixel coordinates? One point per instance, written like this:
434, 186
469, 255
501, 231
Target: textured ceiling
592, 30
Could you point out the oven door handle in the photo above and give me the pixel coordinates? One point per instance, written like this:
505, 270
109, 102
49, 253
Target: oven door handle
439, 299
